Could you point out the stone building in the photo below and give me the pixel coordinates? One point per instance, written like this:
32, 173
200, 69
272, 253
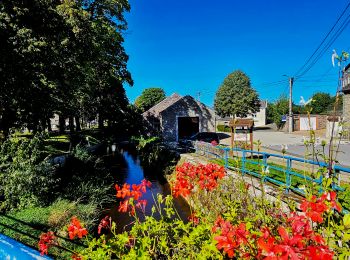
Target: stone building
177, 117
346, 97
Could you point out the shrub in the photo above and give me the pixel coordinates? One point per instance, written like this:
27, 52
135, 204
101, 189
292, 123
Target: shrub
27, 179
223, 128
155, 155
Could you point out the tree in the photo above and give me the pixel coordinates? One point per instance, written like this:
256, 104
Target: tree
62, 56
320, 103
236, 97
278, 109
149, 97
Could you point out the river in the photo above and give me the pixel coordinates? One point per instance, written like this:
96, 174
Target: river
125, 168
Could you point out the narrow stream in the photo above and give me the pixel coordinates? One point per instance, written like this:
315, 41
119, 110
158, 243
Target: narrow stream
126, 168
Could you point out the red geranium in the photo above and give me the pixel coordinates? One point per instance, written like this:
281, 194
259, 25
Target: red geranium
75, 229
105, 223
46, 241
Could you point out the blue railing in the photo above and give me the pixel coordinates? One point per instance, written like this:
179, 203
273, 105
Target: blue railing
244, 159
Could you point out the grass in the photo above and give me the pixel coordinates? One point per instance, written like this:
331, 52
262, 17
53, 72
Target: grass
26, 225
280, 175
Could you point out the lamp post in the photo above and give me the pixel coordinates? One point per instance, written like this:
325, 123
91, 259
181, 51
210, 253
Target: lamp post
290, 114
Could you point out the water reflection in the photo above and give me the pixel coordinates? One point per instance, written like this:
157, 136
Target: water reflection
126, 168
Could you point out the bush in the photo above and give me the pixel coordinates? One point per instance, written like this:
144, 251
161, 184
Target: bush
27, 179
223, 128
155, 155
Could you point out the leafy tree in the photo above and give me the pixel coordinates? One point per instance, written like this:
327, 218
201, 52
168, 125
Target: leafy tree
236, 97
277, 109
149, 97
62, 57
320, 102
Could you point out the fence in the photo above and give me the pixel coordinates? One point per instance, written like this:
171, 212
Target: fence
257, 164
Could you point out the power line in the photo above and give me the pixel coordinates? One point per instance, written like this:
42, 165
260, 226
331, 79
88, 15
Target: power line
334, 38
319, 46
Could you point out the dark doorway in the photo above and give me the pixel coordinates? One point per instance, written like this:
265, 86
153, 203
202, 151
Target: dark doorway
187, 126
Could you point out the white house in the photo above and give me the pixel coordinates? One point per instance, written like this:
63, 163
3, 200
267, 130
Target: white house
258, 117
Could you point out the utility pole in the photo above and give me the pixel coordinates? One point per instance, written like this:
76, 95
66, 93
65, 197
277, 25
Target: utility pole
290, 121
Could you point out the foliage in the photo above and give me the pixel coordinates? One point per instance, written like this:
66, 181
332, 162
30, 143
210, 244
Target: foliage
320, 103
149, 97
223, 128
344, 196
63, 57
26, 165
278, 109
236, 97
155, 155
228, 220
26, 225
23, 167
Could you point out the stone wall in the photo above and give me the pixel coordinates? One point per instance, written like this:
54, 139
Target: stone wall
186, 107
346, 107
346, 113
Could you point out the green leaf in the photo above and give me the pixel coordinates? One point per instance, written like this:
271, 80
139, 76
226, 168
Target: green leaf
346, 220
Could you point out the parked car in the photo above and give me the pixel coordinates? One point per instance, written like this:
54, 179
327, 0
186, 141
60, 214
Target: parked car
208, 137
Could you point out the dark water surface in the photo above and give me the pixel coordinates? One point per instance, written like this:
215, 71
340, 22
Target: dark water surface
125, 168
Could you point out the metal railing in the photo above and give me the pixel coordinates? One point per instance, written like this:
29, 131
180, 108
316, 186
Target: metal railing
289, 177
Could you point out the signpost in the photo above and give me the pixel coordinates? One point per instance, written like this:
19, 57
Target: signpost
242, 131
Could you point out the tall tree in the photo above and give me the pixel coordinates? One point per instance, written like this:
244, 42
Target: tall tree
320, 103
236, 97
61, 56
278, 109
149, 97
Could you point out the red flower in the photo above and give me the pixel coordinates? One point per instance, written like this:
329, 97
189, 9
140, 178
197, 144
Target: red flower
146, 183
76, 257
314, 208
75, 229
123, 206
319, 253
141, 204
231, 237
194, 219
136, 191
46, 241
105, 223
124, 191
187, 175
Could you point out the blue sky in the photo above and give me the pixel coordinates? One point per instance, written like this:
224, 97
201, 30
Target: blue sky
190, 46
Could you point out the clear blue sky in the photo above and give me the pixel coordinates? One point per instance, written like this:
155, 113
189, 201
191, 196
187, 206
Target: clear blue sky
189, 46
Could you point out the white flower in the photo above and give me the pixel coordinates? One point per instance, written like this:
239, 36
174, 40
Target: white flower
267, 171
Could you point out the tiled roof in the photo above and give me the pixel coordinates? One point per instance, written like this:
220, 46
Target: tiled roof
161, 106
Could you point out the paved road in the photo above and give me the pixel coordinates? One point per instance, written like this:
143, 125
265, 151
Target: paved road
343, 155
295, 143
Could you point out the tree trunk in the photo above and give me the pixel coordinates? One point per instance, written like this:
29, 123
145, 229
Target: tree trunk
100, 122
43, 125
49, 127
77, 123
62, 124
71, 124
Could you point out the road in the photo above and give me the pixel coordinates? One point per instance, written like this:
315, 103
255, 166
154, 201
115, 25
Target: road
273, 140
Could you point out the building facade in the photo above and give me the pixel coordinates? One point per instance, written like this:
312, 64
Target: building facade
178, 117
